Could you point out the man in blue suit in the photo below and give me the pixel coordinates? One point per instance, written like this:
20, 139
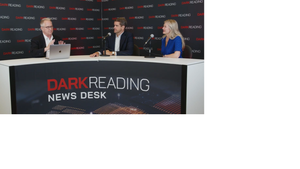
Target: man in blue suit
120, 43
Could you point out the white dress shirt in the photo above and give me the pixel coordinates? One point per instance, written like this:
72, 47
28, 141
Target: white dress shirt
117, 42
47, 40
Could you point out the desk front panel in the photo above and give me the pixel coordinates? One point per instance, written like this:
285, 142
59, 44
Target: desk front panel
98, 87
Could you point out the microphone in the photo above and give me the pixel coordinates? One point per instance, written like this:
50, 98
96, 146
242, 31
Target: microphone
108, 34
151, 36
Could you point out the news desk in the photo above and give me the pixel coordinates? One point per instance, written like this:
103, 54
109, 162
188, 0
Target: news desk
102, 85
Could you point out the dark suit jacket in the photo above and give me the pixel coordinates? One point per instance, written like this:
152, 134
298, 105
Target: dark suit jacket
126, 43
38, 44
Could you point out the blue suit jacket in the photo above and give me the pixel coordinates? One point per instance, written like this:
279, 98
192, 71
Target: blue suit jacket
126, 43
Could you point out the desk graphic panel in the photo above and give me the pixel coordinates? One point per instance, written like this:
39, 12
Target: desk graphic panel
110, 87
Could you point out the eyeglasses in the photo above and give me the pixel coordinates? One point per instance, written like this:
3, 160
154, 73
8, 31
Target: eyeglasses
48, 27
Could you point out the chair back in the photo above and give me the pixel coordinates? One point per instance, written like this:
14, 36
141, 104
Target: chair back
136, 50
187, 52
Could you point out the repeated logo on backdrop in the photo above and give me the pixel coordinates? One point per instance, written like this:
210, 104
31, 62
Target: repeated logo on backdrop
146, 17
82, 23
75, 21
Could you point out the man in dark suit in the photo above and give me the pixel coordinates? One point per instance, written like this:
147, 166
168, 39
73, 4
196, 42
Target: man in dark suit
120, 43
40, 45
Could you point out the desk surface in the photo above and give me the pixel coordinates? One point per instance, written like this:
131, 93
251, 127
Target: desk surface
28, 61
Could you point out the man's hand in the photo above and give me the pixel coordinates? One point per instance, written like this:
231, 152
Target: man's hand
108, 52
94, 54
48, 47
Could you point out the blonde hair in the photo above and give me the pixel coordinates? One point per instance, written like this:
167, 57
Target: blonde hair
173, 25
43, 20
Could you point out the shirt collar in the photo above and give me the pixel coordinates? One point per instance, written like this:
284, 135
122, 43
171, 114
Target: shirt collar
46, 38
119, 35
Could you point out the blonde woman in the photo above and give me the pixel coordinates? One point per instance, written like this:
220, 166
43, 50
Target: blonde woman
172, 41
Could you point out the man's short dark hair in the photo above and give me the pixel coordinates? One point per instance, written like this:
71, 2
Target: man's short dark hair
122, 20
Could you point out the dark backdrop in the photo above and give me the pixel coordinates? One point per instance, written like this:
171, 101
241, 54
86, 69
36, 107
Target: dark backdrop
82, 23
146, 17
76, 21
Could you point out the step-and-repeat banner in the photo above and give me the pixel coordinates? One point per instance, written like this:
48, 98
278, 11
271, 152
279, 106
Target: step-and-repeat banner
146, 17
77, 22
82, 23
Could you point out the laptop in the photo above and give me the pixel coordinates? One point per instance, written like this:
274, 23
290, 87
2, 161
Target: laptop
59, 51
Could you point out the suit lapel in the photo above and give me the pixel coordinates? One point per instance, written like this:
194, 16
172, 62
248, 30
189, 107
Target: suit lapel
123, 37
113, 41
42, 39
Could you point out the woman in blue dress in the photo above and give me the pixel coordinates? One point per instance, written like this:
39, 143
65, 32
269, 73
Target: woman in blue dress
172, 41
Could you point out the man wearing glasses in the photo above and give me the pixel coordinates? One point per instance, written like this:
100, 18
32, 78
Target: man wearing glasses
40, 45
